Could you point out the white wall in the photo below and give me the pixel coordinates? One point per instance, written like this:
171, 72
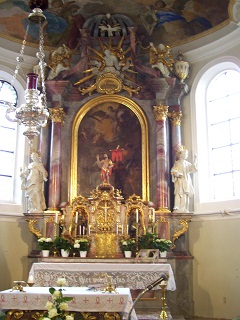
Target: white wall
213, 238
214, 242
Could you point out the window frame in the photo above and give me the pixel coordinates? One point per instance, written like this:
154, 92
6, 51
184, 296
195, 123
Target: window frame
199, 128
15, 207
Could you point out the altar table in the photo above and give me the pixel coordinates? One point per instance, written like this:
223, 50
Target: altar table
133, 276
84, 300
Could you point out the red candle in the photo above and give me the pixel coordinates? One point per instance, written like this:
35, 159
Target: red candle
32, 79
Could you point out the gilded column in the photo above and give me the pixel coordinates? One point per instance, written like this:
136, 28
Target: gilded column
57, 115
176, 119
161, 113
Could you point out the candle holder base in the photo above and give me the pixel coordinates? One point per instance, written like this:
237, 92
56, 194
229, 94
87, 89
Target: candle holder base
30, 284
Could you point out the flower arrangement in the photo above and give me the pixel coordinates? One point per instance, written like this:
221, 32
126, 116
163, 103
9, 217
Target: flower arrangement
45, 243
62, 243
57, 308
127, 244
82, 244
151, 241
163, 244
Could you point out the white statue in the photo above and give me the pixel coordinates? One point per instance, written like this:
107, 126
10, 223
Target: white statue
33, 183
111, 60
59, 60
161, 59
183, 188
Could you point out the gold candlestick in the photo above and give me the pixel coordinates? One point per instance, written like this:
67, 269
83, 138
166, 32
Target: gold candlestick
164, 314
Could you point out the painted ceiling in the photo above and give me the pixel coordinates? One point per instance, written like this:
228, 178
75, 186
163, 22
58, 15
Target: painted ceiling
168, 22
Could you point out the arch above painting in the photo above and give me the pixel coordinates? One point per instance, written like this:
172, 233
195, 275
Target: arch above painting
102, 126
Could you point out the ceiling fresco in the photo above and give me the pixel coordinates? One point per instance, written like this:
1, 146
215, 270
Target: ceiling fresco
168, 22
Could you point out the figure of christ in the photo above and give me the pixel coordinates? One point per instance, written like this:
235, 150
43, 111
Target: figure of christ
106, 166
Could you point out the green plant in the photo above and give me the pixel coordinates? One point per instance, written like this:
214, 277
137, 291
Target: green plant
62, 243
127, 244
146, 241
45, 243
82, 244
151, 241
57, 308
162, 244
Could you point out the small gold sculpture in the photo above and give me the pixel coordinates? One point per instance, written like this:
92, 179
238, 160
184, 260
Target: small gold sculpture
110, 287
18, 286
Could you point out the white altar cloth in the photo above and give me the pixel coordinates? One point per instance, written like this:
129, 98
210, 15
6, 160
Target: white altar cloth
84, 300
133, 276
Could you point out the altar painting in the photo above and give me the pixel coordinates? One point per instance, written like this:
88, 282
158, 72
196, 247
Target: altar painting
110, 128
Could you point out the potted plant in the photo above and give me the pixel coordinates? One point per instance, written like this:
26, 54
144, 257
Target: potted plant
63, 245
147, 241
163, 245
127, 246
46, 245
83, 245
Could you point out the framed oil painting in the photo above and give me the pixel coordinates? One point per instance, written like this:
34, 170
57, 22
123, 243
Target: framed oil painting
114, 126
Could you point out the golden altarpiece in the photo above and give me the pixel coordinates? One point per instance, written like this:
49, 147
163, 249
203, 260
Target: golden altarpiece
119, 101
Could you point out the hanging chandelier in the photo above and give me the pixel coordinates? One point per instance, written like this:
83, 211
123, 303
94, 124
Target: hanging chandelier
33, 114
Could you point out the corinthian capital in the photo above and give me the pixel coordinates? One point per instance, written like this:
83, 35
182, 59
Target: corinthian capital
57, 115
160, 112
175, 117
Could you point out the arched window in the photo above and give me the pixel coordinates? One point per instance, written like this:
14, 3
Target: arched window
217, 121
12, 146
7, 142
223, 117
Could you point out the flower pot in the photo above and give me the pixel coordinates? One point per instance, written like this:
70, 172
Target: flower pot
64, 253
127, 254
83, 254
45, 253
163, 254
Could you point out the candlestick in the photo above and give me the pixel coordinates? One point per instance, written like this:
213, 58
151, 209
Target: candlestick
117, 229
76, 217
83, 230
30, 279
153, 215
127, 229
89, 230
56, 217
137, 215
122, 228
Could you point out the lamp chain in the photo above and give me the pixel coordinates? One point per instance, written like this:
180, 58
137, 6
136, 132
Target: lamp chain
20, 58
42, 64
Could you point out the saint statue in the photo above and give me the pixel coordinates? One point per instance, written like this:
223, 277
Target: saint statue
59, 60
161, 58
106, 166
33, 183
183, 188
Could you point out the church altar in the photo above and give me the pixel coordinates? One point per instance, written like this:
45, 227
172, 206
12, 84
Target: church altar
84, 300
131, 275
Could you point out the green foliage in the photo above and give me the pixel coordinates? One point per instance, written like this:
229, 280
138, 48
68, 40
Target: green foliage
82, 244
2, 315
127, 244
45, 243
62, 243
151, 241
